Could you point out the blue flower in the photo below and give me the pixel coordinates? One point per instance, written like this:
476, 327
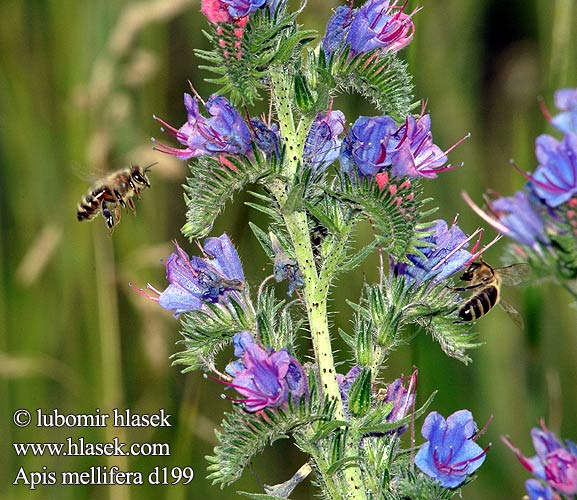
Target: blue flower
555, 179
285, 268
444, 255
323, 143
566, 101
520, 217
450, 454
364, 150
378, 25
195, 281
264, 377
539, 491
225, 132
266, 138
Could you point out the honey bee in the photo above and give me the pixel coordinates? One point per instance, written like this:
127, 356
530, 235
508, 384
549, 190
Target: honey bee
109, 194
485, 283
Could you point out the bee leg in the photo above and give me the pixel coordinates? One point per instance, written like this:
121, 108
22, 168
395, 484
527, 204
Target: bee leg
108, 217
131, 205
137, 193
117, 213
119, 198
465, 288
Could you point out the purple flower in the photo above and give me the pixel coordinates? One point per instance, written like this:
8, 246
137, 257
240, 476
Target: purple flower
450, 454
444, 255
264, 377
323, 144
555, 179
520, 217
412, 151
364, 150
192, 282
402, 398
225, 132
554, 463
539, 491
566, 101
380, 25
241, 8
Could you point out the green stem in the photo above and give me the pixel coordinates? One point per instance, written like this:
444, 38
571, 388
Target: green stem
315, 288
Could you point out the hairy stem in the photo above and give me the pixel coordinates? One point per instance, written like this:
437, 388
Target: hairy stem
315, 289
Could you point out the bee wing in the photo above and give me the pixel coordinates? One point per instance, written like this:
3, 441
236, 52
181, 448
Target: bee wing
512, 313
514, 274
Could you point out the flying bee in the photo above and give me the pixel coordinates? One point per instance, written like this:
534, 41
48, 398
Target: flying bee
485, 283
109, 194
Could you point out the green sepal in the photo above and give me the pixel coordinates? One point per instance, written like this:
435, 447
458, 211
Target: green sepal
371, 424
361, 393
304, 97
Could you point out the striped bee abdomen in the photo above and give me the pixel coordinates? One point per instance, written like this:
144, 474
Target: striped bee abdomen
480, 303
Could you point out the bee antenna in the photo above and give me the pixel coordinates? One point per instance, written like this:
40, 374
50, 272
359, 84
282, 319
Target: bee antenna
146, 169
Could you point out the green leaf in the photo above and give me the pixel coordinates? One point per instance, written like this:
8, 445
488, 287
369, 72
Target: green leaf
245, 434
206, 332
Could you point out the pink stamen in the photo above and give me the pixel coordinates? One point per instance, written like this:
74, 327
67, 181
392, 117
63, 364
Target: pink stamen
495, 223
460, 246
194, 91
483, 430
544, 109
551, 187
144, 293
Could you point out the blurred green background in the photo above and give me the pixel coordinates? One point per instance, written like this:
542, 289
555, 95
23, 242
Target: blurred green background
79, 82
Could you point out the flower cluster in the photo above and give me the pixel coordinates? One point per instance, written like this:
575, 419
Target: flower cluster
377, 25
377, 145
264, 377
216, 277
450, 454
554, 464
545, 207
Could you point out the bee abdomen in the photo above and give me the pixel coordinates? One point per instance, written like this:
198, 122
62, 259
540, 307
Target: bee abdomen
479, 304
